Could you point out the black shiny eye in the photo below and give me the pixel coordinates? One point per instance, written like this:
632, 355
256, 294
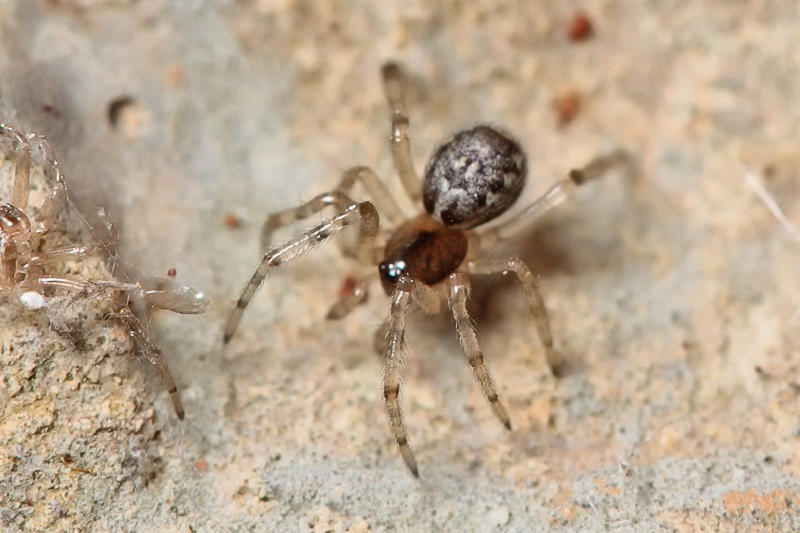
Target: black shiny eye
390, 272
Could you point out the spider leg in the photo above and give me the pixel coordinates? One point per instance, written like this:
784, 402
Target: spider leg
553, 197
22, 171
52, 171
351, 298
401, 149
149, 350
166, 293
393, 347
380, 194
492, 265
60, 255
337, 199
56, 307
384, 202
85, 290
349, 213
15, 245
160, 292
457, 293
423, 295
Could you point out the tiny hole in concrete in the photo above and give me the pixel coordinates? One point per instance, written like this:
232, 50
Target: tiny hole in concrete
128, 116
117, 108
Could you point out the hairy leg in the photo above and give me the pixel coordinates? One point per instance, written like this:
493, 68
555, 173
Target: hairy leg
457, 292
349, 212
148, 349
492, 265
22, 171
393, 348
52, 171
553, 197
378, 192
401, 149
280, 219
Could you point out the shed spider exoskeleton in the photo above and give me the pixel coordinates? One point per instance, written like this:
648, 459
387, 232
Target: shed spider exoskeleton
25, 261
471, 179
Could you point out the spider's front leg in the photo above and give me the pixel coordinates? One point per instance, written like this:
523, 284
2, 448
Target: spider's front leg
457, 293
340, 199
393, 347
378, 192
348, 213
354, 293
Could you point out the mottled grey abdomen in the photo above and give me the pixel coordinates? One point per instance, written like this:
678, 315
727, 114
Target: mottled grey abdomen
474, 177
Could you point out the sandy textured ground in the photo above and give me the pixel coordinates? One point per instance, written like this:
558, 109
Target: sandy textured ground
673, 291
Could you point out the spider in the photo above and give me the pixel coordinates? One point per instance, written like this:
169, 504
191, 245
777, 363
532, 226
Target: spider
470, 180
24, 263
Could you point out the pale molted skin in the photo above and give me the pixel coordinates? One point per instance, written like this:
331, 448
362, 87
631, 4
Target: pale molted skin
24, 265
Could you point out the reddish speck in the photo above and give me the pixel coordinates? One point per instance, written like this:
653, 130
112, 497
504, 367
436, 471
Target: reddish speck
200, 465
580, 28
348, 286
566, 106
174, 75
172, 272
232, 221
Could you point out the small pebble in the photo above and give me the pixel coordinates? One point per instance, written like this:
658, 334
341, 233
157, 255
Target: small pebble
499, 516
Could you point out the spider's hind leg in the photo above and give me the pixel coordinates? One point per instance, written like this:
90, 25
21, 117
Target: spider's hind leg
555, 195
401, 148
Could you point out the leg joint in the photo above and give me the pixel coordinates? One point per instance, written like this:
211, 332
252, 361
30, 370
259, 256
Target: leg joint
391, 393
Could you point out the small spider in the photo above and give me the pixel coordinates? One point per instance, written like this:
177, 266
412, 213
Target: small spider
25, 261
470, 180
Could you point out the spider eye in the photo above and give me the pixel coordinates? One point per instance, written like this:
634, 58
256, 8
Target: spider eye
390, 272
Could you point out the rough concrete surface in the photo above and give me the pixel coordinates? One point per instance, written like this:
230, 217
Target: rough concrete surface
673, 291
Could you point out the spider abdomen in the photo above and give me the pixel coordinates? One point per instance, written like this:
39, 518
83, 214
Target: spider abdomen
474, 177
424, 250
